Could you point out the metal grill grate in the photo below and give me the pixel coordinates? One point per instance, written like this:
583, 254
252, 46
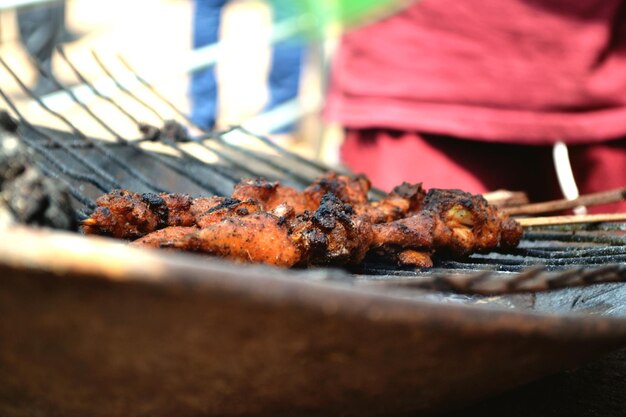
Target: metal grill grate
209, 163
79, 159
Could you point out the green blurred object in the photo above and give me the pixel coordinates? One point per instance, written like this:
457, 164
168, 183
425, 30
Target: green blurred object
318, 16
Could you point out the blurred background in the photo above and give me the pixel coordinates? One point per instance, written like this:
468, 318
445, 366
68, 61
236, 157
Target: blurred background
156, 38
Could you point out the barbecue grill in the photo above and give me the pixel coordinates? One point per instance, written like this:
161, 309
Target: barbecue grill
365, 341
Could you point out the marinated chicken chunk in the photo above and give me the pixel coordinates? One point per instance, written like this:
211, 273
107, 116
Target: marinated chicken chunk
259, 237
164, 238
352, 190
349, 189
229, 207
126, 215
272, 194
332, 235
467, 223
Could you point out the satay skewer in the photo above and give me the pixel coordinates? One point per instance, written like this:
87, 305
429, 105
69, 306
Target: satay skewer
604, 197
559, 220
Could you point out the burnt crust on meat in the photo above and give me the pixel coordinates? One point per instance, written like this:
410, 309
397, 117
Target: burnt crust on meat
413, 193
331, 235
349, 189
330, 211
158, 206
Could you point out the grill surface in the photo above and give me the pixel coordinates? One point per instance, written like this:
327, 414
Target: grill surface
208, 163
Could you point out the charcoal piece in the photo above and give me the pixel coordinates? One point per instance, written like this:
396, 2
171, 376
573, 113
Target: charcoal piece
173, 130
37, 200
12, 158
7, 122
149, 132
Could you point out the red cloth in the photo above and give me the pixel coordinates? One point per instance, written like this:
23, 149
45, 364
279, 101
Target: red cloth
502, 73
527, 71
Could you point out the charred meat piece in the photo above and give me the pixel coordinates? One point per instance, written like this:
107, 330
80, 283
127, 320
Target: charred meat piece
451, 221
179, 209
413, 194
201, 205
402, 201
466, 223
412, 232
164, 238
259, 237
349, 189
228, 207
332, 235
127, 215
399, 203
510, 232
272, 194
412, 257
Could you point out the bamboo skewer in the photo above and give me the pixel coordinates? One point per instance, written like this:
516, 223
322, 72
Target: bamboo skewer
506, 198
557, 220
604, 197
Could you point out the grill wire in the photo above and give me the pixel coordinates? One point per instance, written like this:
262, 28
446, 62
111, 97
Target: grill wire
547, 258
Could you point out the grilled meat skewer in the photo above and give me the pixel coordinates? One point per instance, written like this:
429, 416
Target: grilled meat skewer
401, 201
336, 228
127, 215
329, 236
452, 222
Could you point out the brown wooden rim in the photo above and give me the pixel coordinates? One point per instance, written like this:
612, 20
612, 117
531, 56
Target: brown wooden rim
72, 255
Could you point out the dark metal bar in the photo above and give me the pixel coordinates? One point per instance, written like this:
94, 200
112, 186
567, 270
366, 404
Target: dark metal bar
188, 155
529, 261
68, 171
263, 139
180, 169
77, 133
82, 105
91, 87
568, 237
110, 180
81, 198
142, 102
313, 164
123, 88
257, 157
223, 156
154, 91
575, 227
555, 253
282, 151
531, 280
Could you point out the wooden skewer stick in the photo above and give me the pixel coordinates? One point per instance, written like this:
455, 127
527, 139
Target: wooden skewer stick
586, 218
506, 198
603, 197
